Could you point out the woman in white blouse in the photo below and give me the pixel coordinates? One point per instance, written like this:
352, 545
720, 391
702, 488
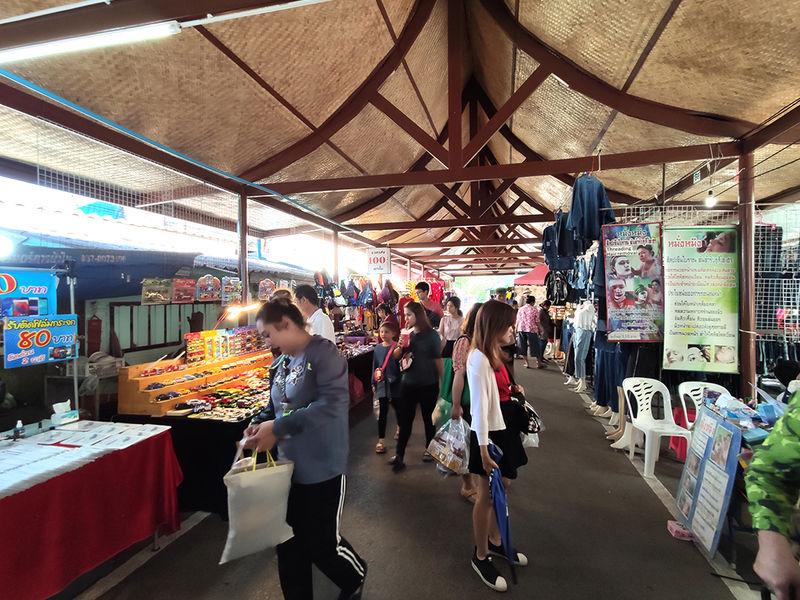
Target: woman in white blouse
450, 326
493, 421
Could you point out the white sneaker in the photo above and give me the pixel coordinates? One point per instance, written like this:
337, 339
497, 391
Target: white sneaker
570, 381
489, 574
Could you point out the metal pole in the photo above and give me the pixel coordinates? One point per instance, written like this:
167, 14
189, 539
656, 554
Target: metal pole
747, 335
336, 256
409, 269
241, 230
71, 283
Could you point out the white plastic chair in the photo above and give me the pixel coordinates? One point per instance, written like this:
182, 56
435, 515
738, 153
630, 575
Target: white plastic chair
694, 390
643, 389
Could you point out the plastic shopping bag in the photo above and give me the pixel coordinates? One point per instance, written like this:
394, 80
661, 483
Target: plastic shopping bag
441, 412
530, 440
257, 498
450, 446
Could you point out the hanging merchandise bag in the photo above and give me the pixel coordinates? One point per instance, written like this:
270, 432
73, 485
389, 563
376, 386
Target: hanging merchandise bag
258, 495
450, 446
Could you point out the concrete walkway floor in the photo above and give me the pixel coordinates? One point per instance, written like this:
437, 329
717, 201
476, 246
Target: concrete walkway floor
589, 523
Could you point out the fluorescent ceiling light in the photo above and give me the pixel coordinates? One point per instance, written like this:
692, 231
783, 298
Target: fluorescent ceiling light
105, 39
561, 81
249, 13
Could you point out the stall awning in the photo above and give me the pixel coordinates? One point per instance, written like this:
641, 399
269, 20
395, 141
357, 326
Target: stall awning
533, 277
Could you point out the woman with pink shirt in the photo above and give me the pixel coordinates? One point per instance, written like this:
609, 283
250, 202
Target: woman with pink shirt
529, 329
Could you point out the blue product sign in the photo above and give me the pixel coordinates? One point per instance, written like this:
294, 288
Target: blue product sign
708, 476
38, 340
27, 293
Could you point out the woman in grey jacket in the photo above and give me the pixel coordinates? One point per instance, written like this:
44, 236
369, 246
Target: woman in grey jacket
310, 400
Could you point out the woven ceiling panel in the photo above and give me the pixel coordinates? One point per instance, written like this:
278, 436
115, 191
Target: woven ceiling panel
492, 54
627, 134
407, 205
427, 61
258, 215
645, 182
501, 149
322, 163
196, 101
376, 143
29, 140
556, 121
605, 37
547, 190
398, 11
400, 92
14, 8
315, 56
776, 172
733, 57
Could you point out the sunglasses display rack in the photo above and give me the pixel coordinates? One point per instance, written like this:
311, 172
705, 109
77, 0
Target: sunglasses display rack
154, 389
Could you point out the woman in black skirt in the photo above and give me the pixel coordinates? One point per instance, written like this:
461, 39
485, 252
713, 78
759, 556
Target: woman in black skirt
495, 421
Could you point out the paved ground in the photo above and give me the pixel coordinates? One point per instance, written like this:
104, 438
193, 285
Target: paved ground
590, 525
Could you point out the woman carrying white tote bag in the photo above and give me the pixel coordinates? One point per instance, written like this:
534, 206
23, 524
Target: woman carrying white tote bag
311, 404
257, 499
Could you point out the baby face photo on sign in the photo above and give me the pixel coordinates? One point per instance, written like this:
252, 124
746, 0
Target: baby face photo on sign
722, 443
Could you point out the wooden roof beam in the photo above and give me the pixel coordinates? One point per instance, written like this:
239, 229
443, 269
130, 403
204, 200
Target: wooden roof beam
455, 57
469, 244
417, 133
621, 160
500, 117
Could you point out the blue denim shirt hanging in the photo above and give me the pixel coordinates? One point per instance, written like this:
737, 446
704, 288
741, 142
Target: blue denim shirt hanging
570, 244
591, 208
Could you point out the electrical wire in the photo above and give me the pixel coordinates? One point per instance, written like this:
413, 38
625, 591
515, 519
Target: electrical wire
731, 178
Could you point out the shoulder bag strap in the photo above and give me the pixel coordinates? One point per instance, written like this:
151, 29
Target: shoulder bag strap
388, 355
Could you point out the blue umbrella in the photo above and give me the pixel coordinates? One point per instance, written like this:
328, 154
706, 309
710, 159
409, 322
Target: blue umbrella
500, 501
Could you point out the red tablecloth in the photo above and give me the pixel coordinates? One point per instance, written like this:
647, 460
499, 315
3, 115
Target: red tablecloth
54, 532
679, 444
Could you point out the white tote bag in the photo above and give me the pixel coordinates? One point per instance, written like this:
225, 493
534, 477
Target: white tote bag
257, 500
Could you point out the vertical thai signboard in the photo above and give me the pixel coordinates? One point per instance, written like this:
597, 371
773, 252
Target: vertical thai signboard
634, 284
701, 308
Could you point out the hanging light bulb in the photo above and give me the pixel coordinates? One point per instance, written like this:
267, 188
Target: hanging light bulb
711, 199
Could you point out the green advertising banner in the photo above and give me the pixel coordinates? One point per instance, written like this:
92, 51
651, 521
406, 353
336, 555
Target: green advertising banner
701, 299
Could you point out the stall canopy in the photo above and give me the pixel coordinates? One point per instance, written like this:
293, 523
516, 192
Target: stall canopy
533, 277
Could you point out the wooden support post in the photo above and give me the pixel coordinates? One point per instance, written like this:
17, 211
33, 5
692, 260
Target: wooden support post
241, 230
747, 287
336, 257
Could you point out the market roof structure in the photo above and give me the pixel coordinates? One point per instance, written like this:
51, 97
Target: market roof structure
350, 107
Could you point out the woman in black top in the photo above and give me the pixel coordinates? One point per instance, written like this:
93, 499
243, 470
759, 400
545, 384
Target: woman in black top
420, 380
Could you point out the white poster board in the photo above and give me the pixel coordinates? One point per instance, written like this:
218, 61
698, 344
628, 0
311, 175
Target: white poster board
380, 261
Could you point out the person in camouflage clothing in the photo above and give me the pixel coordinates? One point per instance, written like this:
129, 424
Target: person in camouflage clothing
773, 485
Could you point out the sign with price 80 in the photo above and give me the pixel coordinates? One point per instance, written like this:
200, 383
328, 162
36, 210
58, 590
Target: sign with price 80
380, 261
38, 340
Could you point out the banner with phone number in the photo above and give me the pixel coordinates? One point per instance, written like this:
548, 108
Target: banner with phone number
31, 341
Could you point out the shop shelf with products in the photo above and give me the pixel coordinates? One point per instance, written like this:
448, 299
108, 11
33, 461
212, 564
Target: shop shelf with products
224, 358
